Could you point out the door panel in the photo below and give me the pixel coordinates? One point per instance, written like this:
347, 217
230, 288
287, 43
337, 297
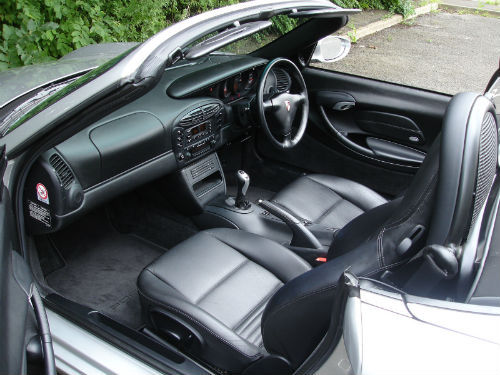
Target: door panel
373, 132
379, 111
14, 305
20, 345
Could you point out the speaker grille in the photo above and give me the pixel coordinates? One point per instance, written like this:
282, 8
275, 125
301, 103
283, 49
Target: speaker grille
488, 156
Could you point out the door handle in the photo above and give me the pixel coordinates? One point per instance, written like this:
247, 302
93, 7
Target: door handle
343, 106
337, 100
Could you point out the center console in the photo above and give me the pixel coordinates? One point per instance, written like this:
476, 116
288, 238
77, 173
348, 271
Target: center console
197, 184
196, 133
199, 190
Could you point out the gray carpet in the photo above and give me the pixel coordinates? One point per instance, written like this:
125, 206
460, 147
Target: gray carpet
103, 275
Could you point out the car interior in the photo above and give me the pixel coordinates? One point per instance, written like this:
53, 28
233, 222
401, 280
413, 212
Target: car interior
215, 214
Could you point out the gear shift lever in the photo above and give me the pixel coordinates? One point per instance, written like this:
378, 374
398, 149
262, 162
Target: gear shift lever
243, 183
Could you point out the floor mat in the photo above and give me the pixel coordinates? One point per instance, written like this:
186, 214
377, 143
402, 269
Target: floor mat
101, 271
145, 214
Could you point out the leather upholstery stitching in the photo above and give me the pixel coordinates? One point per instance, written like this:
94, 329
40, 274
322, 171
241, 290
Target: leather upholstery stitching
335, 192
379, 247
169, 307
297, 299
257, 262
330, 210
410, 213
218, 283
376, 196
166, 282
329, 287
266, 298
411, 210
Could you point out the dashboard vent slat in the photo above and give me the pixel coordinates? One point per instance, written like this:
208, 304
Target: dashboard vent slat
199, 114
63, 172
210, 110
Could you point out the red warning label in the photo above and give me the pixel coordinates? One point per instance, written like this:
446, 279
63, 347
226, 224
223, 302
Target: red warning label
41, 193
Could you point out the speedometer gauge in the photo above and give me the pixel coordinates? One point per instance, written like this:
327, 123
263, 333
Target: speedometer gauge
250, 80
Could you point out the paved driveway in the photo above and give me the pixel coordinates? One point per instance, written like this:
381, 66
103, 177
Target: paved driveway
445, 52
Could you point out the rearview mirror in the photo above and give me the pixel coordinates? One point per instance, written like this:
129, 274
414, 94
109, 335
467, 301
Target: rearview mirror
331, 49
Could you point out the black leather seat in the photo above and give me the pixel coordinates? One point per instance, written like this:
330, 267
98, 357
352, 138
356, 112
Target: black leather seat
328, 200
218, 282
245, 304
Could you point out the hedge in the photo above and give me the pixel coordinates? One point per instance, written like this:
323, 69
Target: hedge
35, 31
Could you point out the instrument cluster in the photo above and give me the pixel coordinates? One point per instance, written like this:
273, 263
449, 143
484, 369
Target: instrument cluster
234, 88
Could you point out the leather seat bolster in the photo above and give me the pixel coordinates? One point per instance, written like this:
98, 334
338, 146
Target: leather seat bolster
277, 259
310, 295
362, 228
156, 295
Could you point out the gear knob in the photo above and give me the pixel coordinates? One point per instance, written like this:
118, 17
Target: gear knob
243, 183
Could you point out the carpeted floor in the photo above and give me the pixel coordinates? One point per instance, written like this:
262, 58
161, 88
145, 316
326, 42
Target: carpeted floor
103, 275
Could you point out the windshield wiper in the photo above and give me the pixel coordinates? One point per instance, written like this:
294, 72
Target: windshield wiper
226, 37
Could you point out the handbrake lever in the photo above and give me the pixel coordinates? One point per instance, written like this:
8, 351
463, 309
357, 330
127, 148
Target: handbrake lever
302, 237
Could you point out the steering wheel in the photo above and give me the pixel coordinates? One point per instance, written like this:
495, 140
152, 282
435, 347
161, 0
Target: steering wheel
282, 107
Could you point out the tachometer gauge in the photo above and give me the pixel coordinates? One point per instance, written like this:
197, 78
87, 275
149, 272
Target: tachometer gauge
237, 84
225, 90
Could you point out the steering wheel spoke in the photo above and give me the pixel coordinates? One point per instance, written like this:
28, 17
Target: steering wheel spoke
268, 105
287, 140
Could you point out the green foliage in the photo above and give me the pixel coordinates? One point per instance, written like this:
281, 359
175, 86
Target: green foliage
404, 7
35, 31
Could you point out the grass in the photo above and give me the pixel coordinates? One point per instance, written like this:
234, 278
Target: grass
475, 12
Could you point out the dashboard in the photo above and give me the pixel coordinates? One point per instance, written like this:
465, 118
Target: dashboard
196, 108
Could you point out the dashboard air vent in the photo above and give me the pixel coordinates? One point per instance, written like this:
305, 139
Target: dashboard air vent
62, 170
210, 110
199, 114
283, 80
192, 117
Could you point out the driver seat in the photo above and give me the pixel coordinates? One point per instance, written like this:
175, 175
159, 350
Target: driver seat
244, 304
327, 200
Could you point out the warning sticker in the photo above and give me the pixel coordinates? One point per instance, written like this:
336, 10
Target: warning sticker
41, 193
39, 213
